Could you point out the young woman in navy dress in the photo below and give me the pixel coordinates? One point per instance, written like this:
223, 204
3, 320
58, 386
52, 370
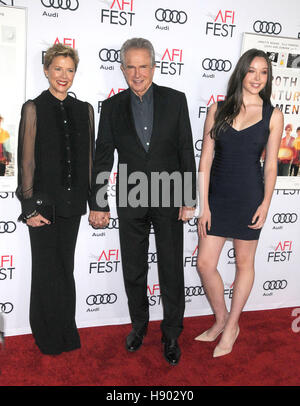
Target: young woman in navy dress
237, 193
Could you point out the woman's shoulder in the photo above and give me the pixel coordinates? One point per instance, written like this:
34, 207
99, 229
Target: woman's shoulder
29, 107
213, 107
277, 114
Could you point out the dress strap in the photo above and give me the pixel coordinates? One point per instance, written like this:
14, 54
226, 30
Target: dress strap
267, 112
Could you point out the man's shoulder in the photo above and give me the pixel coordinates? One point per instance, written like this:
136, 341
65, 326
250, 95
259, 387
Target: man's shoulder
116, 98
168, 91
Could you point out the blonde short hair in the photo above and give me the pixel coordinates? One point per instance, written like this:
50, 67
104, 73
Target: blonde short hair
60, 50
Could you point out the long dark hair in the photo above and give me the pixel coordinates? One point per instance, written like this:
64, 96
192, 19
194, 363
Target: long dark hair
231, 107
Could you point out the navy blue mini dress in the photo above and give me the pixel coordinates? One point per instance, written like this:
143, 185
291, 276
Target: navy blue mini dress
236, 181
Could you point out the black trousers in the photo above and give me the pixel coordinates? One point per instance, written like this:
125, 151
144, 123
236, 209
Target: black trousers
52, 300
134, 242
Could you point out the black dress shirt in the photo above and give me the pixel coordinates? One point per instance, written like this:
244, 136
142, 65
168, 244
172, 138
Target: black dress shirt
142, 110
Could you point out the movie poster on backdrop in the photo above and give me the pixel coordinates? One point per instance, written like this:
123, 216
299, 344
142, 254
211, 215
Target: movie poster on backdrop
12, 90
285, 56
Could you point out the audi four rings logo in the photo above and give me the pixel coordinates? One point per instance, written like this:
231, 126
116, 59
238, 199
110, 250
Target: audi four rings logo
193, 222
275, 285
194, 291
7, 227
152, 257
71, 5
285, 218
266, 27
6, 307
109, 55
106, 298
217, 65
113, 223
171, 16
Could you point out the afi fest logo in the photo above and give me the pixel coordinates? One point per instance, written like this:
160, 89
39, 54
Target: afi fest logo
191, 260
223, 24
120, 12
154, 297
203, 109
6, 267
108, 261
171, 62
65, 41
281, 253
111, 93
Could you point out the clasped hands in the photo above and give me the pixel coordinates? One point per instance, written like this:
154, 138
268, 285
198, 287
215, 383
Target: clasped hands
100, 219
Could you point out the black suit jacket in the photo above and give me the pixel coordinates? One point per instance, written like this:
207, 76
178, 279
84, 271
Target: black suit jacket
171, 147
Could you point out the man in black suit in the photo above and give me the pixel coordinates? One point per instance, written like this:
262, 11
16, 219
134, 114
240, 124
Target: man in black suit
149, 127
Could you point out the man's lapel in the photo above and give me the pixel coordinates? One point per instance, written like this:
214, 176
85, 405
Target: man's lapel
158, 109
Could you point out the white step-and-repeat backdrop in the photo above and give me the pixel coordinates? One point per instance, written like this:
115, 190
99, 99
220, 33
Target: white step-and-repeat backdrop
197, 44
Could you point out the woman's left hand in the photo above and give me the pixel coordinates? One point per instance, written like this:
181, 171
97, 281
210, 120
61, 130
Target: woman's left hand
259, 218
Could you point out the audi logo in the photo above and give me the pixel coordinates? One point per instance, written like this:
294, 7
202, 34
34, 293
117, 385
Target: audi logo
109, 55
198, 145
231, 253
194, 291
106, 298
193, 222
6, 307
275, 285
266, 27
71, 5
152, 257
285, 218
171, 16
113, 223
216, 65
7, 227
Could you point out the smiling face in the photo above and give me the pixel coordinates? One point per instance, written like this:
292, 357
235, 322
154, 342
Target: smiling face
138, 70
257, 76
60, 75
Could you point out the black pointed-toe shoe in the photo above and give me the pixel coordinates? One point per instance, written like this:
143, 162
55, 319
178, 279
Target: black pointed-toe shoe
171, 350
134, 340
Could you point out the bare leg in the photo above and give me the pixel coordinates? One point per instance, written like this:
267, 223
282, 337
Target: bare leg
209, 251
245, 254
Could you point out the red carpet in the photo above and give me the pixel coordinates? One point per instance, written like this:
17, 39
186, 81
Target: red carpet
267, 353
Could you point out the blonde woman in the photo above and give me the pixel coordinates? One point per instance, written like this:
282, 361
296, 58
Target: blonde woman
56, 138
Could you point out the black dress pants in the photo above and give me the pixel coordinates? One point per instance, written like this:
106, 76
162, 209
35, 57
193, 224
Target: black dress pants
134, 242
52, 300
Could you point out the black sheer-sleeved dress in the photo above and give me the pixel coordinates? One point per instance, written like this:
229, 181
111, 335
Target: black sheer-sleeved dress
236, 181
55, 154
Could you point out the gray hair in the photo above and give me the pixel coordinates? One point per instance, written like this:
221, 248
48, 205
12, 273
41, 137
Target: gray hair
138, 43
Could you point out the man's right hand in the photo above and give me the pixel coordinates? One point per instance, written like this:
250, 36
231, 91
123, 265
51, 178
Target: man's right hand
99, 219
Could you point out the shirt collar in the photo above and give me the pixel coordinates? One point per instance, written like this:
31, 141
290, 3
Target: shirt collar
147, 97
